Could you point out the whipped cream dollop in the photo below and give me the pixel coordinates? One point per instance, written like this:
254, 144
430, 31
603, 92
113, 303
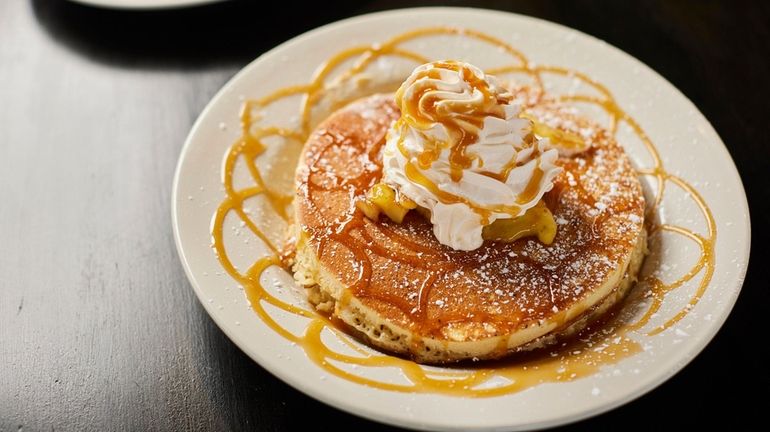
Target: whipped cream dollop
461, 151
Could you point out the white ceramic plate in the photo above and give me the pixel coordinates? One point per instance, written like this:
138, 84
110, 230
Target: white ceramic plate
690, 150
145, 4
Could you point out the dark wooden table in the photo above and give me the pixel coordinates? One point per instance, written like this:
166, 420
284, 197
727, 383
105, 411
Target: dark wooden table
99, 329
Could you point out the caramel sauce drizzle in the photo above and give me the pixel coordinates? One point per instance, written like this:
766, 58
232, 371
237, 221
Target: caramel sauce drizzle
421, 111
572, 360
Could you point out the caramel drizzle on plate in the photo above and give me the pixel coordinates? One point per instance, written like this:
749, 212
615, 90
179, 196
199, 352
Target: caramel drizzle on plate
569, 361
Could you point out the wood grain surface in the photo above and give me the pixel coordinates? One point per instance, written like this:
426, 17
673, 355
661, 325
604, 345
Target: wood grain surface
99, 328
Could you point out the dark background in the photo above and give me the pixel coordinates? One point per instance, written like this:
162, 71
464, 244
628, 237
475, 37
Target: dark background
99, 329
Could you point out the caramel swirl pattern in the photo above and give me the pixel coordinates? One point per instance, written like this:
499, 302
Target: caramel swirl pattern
572, 361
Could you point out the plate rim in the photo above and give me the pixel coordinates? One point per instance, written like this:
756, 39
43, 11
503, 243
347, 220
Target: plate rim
670, 367
126, 5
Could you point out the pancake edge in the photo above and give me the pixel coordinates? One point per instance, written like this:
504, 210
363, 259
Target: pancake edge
329, 295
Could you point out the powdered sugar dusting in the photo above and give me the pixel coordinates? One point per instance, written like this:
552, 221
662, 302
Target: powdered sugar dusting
597, 202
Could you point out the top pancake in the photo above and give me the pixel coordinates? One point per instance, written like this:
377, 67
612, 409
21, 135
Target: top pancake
404, 275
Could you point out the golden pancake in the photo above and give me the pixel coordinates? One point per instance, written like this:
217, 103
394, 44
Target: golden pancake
405, 292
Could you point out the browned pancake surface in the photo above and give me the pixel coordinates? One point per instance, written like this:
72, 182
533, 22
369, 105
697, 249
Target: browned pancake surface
408, 278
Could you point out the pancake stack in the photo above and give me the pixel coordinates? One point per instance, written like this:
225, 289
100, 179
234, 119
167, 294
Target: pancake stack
404, 292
